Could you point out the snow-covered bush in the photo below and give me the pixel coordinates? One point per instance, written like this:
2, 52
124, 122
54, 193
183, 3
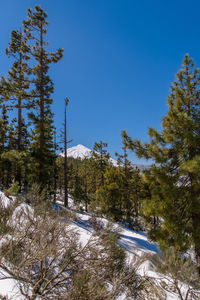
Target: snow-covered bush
44, 256
177, 274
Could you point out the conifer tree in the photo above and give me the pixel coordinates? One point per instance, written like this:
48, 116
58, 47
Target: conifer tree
13, 160
176, 152
138, 191
109, 196
79, 193
18, 83
3, 142
60, 173
79, 182
126, 174
85, 172
3, 129
14, 89
101, 157
42, 139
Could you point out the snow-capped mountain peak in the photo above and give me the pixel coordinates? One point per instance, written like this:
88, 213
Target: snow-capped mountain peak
78, 151
82, 152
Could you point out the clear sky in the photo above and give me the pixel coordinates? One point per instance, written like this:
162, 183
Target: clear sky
120, 57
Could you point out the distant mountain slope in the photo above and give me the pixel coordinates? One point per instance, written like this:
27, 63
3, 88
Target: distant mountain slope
78, 151
82, 152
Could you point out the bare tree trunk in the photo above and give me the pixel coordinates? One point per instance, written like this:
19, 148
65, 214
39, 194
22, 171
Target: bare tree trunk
65, 161
55, 171
19, 133
41, 164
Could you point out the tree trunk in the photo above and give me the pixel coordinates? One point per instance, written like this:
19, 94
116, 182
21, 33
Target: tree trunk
65, 161
41, 159
19, 137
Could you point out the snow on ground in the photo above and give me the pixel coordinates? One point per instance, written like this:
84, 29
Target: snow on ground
5, 201
135, 244
9, 288
19, 216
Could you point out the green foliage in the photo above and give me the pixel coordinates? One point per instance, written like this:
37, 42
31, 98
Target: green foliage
174, 180
15, 253
172, 263
15, 160
38, 197
47, 257
86, 287
101, 158
117, 256
109, 196
179, 271
28, 157
14, 189
79, 192
4, 216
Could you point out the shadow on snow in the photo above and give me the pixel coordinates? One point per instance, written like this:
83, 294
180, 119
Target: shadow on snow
134, 242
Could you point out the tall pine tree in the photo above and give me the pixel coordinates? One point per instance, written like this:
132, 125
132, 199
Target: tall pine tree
43, 153
101, 157
3, 143
14, 89
176, 152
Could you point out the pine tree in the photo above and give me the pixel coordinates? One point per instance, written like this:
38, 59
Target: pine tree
176, 152
109, 196
101, 157
79, 193
126, 174
15, 88
137, 191
3, 143
18, 82
182, 272
85, 172
42, 139
3, 129
81, 187
14, 160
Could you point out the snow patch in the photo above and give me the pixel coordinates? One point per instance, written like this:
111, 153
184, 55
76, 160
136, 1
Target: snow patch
20, 214
5, 201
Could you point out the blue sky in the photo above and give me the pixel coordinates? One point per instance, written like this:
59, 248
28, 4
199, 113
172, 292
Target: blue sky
120, 57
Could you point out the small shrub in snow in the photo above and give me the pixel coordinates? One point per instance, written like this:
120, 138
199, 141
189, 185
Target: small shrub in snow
13, 190
6, 212
45, 257
96, 224
179, 274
